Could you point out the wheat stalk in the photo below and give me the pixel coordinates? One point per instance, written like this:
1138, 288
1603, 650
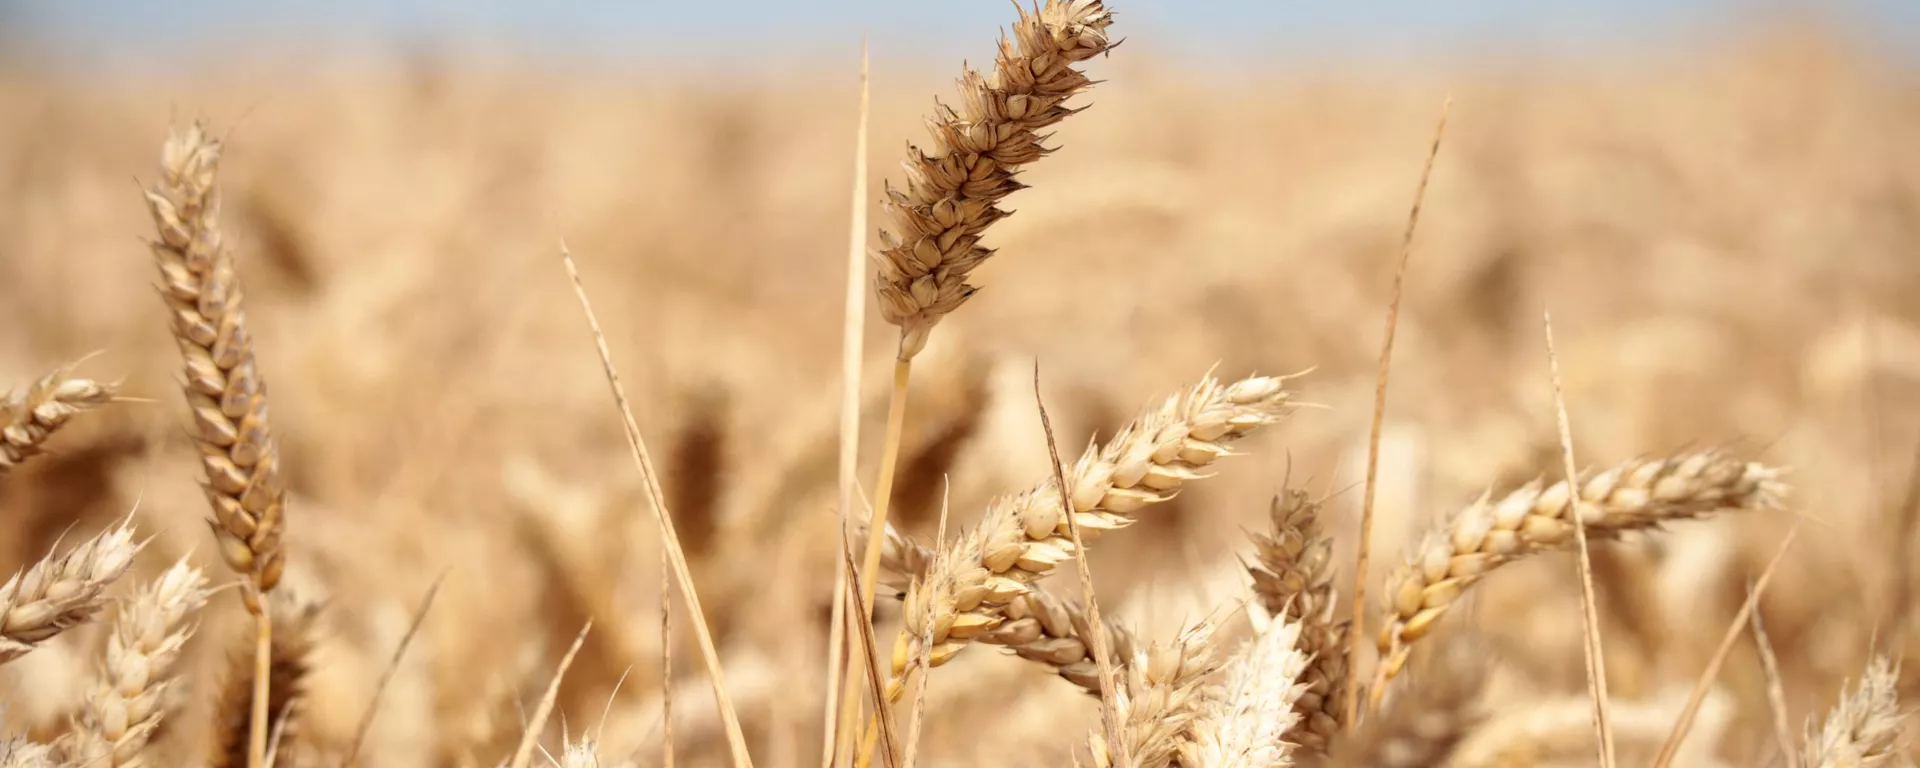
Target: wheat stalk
128, 702
1246, 724
290, 661
61, 591
1293, 578
955, 184
1864, 728
1023, 536
1640, 494
29, 418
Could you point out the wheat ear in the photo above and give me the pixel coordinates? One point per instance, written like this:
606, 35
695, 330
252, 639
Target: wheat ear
1039, 627
61, 591
1864, 728
128, 702
1637, 495
1247, 723
28, 418
21, 753
1163, 692
290, 661
1023, 536
223, 388
955, 184
1293, 578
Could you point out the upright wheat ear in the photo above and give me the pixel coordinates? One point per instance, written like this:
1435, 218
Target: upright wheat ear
28, 418
129, 700
224, 390
955, 185
1293, 579
1864, 729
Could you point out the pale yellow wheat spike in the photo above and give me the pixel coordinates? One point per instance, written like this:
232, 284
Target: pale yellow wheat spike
1637, 495
1293, 578
61, 591
1164, 690
21, 753
1246, 724
28, 418
1023, 536
1864, 728
224, 390
129, 700
955, 184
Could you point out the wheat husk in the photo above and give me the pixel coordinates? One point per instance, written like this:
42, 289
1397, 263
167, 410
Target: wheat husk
61, 591
128, 702
29, 418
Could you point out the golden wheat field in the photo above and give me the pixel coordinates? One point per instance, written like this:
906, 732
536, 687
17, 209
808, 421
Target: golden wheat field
1198, 276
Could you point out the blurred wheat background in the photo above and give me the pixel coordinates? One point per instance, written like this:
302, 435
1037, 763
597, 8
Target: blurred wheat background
1727, 233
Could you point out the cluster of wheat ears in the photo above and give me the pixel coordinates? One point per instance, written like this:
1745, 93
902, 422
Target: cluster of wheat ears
1274, 677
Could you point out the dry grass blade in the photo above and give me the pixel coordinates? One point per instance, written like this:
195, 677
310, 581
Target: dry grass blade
129, 700
290, 660
1636, 495
954, 185
1293, 578
386, 675
1022, 537
1365, 544
61, 591
852, 356
883, 719
29, 418
1671, 747
1589, 606
730, 718
224, 389
1864, 728
1102, 652
523, 754
1776, 688
1246, 725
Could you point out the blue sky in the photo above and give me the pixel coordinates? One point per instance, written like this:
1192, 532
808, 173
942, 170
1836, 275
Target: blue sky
137, 32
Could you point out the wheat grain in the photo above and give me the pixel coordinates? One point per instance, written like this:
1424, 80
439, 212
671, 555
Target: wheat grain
955, 184
61, 591
1246, 725
222, 385
29, 418
128, 702
291, 660
1864, 728
1293, 578
1637, 495
1023, 536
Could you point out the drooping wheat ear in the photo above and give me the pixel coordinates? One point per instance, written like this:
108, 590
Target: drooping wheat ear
28, 418
1293, 578
129, 700
21, 753
1039, 627
1637, 495
1246, 725
1864, 728
294, 622
223, 387
1163, 692
61, 591
1023, 536
955, 184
